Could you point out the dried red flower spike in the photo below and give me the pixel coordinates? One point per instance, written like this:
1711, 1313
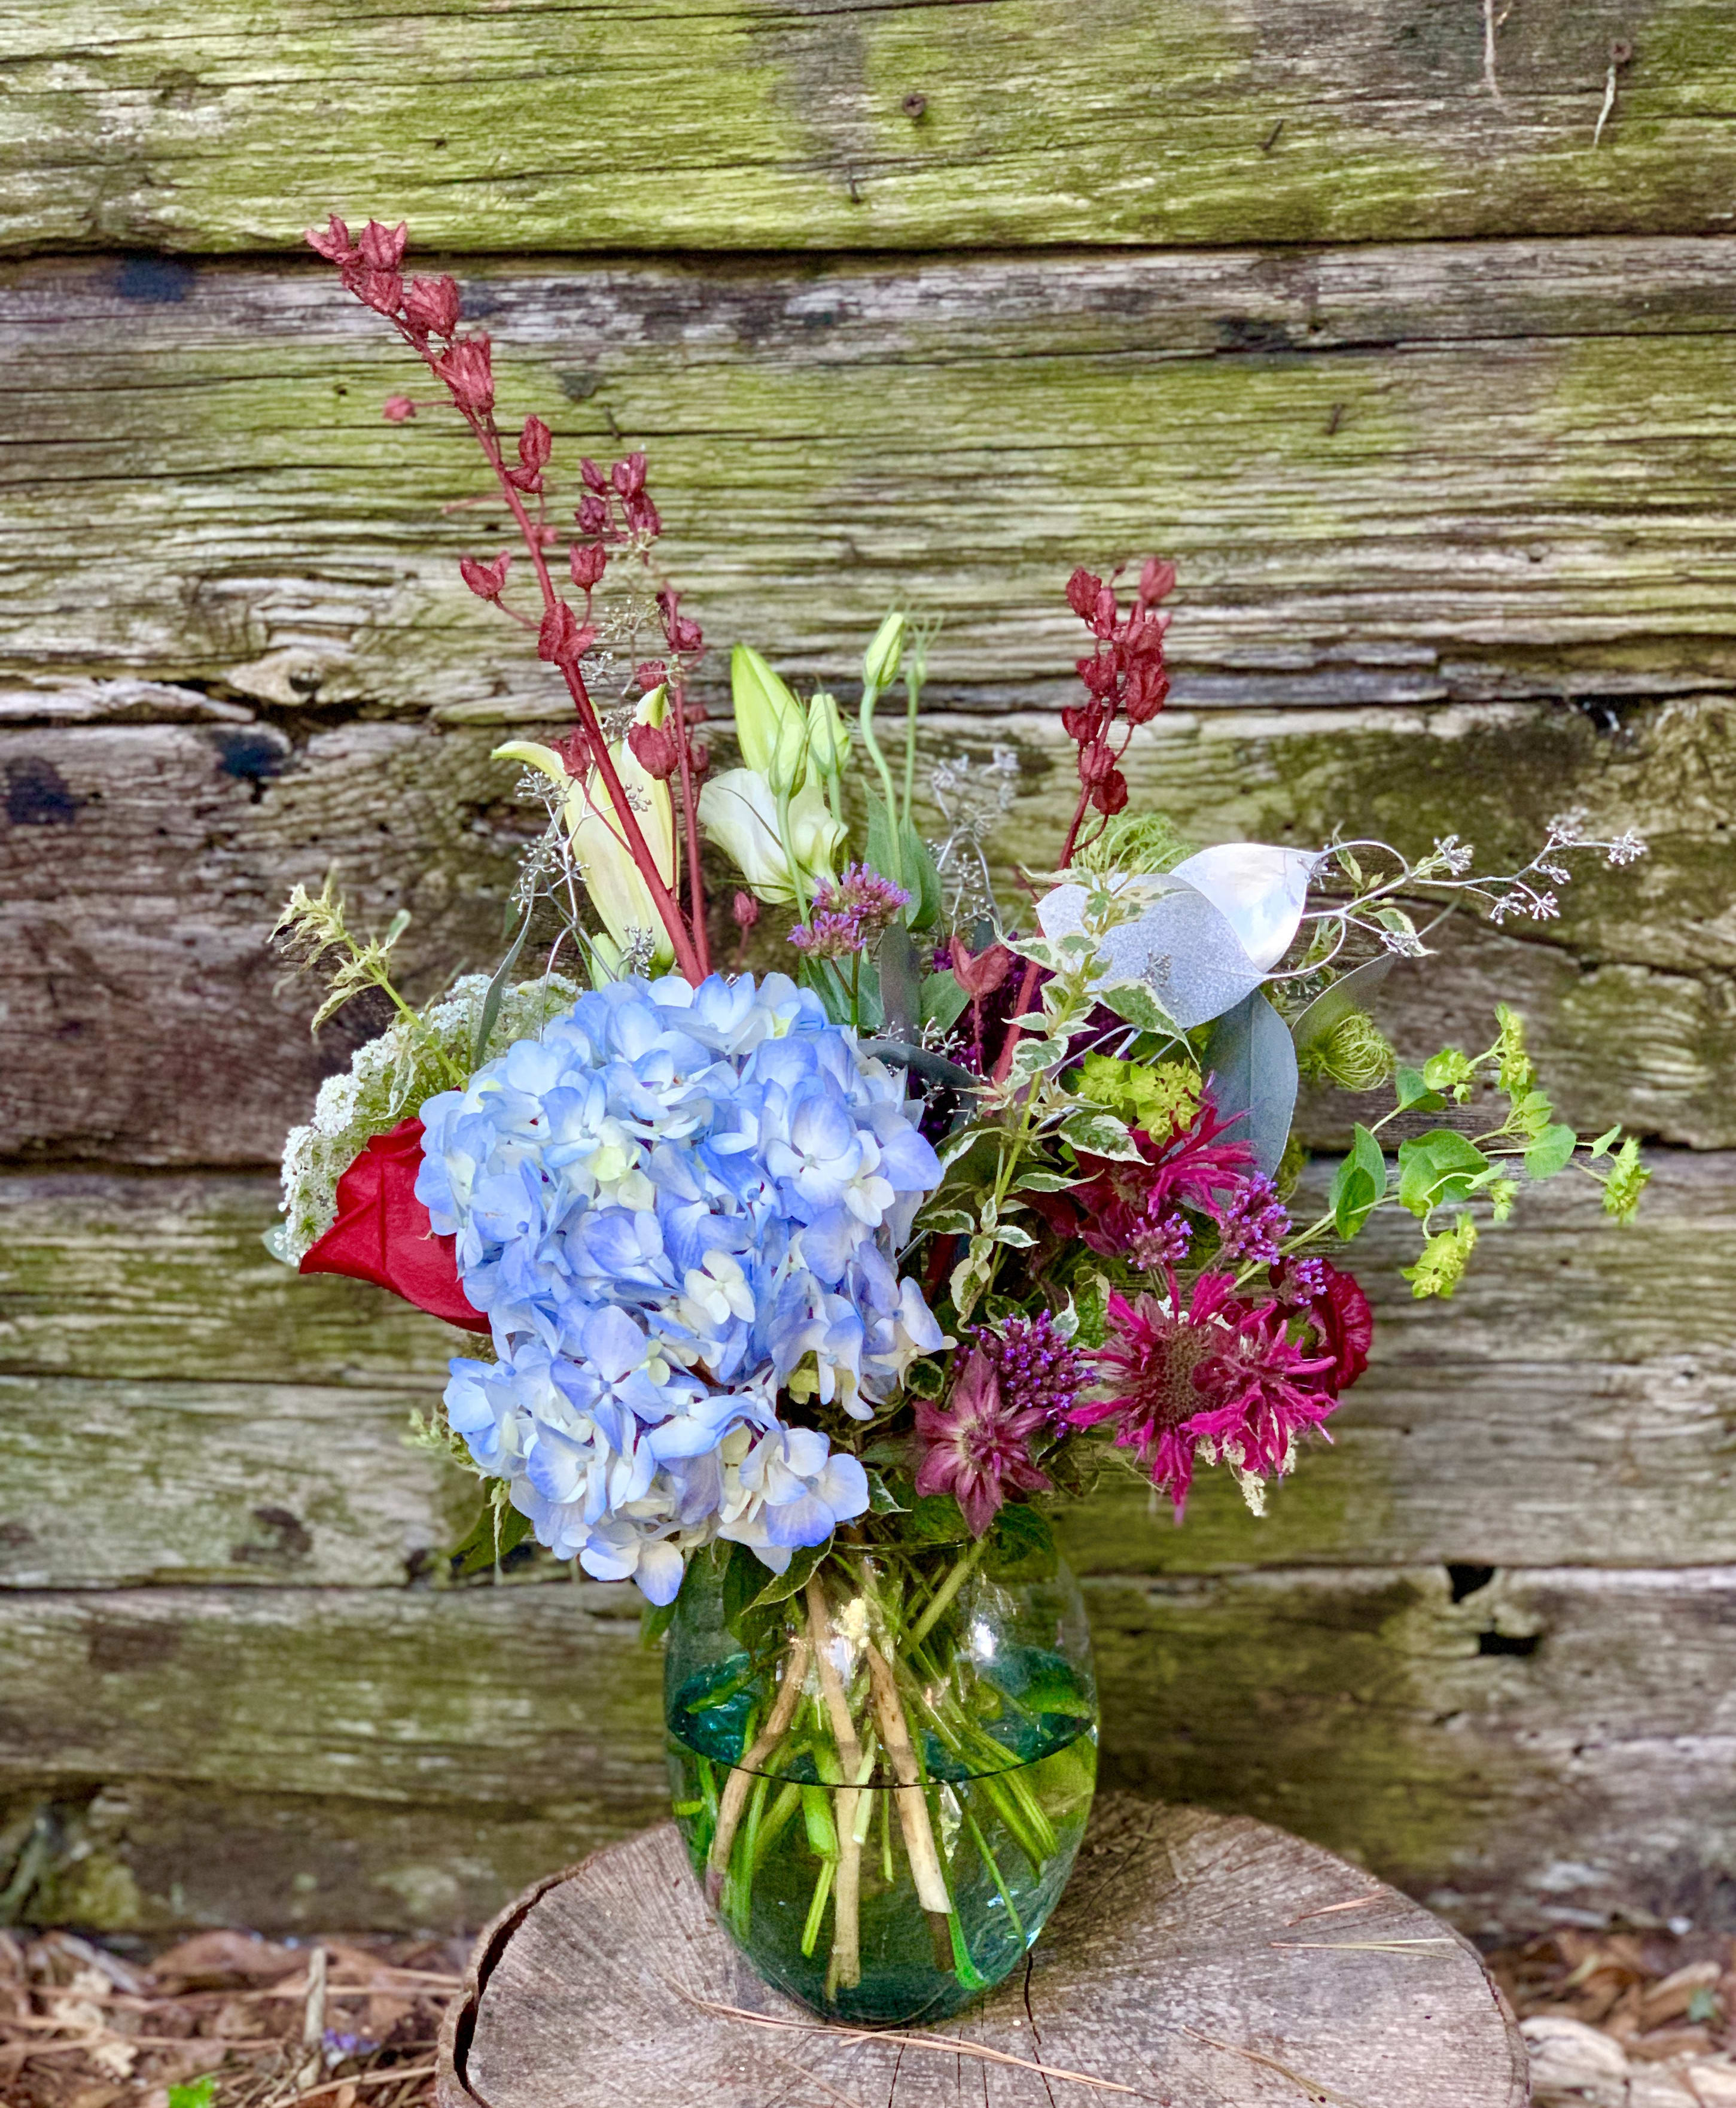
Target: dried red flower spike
334, 244
431, 306
587, 561
657, 748
382, 248
487, 581
467, 369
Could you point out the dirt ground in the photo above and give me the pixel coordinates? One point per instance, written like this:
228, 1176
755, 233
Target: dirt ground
227, 2019
336, 2023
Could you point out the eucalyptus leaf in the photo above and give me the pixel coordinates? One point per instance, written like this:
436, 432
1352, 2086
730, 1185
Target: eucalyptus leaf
1251, 1058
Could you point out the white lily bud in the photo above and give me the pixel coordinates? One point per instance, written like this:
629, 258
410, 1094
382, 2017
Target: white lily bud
614, 880
769, 723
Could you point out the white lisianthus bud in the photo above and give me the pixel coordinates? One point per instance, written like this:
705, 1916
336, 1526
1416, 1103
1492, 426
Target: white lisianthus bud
881, 660
769, 721
739, 812
828, 742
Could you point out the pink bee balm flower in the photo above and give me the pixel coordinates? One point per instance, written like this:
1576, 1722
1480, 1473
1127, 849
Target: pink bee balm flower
977, 1446
1213, 1377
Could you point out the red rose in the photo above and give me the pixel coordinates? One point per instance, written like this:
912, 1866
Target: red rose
383, 1233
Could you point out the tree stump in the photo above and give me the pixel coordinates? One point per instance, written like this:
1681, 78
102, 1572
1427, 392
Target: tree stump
1197, 1961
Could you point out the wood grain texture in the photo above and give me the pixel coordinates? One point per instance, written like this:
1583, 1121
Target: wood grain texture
1398, 475
1185, 1962
155, 1855
1554, 1741
746, 124
1572, 1404
147, 1021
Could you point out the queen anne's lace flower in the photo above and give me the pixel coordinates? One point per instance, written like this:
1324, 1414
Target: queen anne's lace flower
673, 1204
385, 1079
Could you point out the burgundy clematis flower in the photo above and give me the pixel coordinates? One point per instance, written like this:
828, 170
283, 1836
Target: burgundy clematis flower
977, 1446
1338, 1312
1214, 1377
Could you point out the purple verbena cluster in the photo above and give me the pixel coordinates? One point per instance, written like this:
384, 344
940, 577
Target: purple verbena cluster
846, 915
1252, 1223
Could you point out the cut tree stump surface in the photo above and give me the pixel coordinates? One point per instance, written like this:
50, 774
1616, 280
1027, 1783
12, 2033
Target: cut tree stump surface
1196, 1960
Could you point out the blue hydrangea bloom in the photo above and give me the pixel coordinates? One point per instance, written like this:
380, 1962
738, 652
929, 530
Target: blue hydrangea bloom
674, 1206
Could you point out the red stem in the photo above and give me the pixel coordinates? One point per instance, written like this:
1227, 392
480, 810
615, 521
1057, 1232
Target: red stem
686, 956
1027, 984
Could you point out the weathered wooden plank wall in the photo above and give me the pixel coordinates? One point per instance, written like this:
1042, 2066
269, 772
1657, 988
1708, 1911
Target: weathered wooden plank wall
1458, 538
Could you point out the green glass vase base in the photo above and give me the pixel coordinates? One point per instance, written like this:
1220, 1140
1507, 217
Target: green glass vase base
883, 1779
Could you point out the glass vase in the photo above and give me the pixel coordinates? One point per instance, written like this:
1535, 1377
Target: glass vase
882, 1771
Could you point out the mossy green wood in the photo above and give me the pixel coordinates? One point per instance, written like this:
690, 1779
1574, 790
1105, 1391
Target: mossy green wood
754, 125
1571, 1403
1465, 1749
1378, 490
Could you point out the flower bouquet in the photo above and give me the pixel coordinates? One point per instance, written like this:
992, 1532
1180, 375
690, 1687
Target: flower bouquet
809, 1294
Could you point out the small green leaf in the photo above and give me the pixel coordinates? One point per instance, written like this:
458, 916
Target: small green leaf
1134, 1001
1021, 1544
1436, 1168
1551, 1151
1092, 1301
1360, 1183
947, 1223
956, 1144
1037, 1057
881, 1498
1607, 1141
480, 1546
1413, 1091
1100, 1134
943, 1001
195, 2092
936, 1519
1015, 1234
793, 1578
1044, 1182
655, 1620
